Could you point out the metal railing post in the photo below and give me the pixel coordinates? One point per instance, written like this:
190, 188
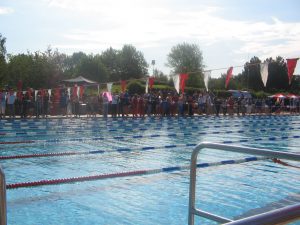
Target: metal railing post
231, 148
3, 218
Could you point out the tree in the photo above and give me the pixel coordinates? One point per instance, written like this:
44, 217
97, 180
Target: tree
278, 78
111, 60
251, 75
3, 65
160, 77
187, 58
92, 68
132, 63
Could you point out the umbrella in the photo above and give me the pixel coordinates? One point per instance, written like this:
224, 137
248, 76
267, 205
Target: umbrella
292, 96
279, 95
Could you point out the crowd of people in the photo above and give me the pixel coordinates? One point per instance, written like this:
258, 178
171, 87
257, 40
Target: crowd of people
199, 103
156, 103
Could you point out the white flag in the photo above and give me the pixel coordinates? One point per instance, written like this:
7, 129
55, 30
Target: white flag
49, 93
207, 75
35, 94
109, 87
147, 84
264, 72
176, 81
78, 92
69, 92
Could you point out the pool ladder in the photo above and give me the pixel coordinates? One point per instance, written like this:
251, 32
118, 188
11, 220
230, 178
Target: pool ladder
278, 216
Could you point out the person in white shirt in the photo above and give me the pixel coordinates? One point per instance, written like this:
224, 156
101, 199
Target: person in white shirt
11, 97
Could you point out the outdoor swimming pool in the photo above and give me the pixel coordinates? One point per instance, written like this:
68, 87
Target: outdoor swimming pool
115, 145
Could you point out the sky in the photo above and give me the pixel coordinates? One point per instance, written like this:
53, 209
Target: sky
228, 32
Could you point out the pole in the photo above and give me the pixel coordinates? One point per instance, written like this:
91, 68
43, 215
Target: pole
3, 219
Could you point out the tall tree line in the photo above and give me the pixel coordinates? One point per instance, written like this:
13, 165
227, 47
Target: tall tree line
46, 69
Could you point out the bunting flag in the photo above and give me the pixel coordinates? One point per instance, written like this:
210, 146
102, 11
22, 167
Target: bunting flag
123, 85
74, 93
19, 85
151, 82
176, 82
291, 65
57, 95
81, 91
69, 92
183, 77
264, 72
49, 93
147, 85
228, 76
78, 91
109, 87
207, 75
35, 94
43, 92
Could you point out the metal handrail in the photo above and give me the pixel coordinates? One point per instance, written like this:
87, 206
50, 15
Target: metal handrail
193, 170
3, 219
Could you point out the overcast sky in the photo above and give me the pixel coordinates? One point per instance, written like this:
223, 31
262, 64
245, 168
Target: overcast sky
229, 33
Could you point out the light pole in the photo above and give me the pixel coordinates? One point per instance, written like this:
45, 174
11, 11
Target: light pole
153, 64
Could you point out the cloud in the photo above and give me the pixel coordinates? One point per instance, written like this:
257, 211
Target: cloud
6, 10
163, 23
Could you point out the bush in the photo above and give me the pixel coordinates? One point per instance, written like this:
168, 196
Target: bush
260, 94
222, 93
135, 87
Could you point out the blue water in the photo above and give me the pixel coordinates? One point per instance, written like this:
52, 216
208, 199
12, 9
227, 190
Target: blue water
231, 191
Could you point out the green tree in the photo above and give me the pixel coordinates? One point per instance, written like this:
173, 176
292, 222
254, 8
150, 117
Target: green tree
3, 64
160, 77
187, 58
89, 66
111, 60
92, 68
251, 75
132, 63
278, 78
20, 68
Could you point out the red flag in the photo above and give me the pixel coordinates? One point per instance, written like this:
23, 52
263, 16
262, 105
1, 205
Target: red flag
151, 82
19, 85
291, 65
29, 91
74, 93
228, 76
57, 94
123, 85
81, 90
43, 93
183, 78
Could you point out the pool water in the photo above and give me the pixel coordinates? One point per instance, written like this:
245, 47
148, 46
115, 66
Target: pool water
232, 191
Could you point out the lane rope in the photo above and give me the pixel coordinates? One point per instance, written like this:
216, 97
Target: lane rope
145, 148
126, 174
145, 136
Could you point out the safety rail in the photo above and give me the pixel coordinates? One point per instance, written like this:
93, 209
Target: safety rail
3, 220
273, 217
